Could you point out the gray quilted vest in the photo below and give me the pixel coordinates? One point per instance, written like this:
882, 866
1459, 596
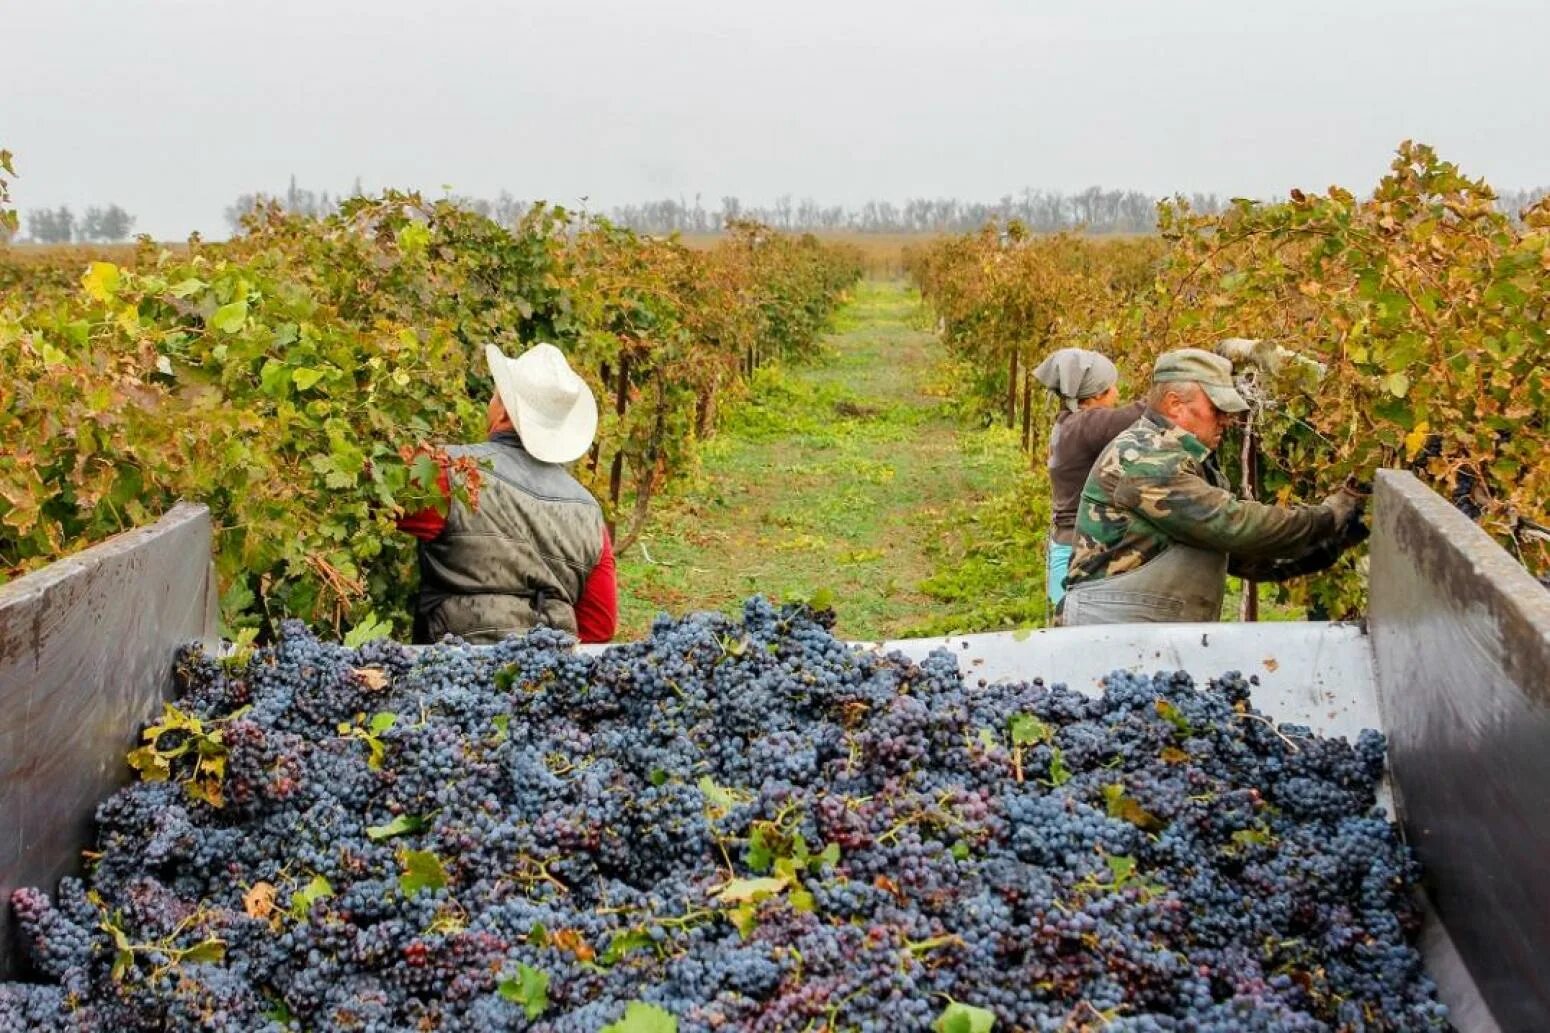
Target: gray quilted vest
520, 560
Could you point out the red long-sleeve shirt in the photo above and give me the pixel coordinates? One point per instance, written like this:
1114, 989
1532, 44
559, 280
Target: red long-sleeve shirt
597, 611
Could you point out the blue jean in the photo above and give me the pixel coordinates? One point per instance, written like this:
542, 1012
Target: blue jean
1059, 563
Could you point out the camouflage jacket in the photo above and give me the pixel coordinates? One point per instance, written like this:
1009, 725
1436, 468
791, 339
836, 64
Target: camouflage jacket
1156, 484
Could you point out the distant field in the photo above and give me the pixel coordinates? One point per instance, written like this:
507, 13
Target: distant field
52, 256
882, 252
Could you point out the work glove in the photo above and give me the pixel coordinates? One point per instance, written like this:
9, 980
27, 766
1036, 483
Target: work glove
1346, 504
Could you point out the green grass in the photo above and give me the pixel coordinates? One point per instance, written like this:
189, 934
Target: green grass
856, 473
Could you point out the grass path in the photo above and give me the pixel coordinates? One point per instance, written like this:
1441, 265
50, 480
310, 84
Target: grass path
855, 474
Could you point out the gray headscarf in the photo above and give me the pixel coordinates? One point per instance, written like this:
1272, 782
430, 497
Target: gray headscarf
1075, 374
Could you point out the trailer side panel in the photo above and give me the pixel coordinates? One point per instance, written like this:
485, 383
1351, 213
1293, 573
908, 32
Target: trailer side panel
86, 653
1461, 638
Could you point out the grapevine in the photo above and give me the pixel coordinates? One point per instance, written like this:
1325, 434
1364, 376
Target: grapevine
1416, 317
300, 379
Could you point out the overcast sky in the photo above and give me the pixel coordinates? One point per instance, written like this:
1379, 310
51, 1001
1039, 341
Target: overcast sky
173, 107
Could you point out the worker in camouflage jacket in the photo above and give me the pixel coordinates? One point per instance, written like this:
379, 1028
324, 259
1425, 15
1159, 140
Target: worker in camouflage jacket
1157, 528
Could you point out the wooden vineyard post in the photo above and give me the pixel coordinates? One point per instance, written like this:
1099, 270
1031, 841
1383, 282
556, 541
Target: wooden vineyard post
597, 445
1011, 392
621, 404
1249, 608
1027, 410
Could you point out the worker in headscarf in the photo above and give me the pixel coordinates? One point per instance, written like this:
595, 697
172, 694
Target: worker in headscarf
536, 550
1087, 384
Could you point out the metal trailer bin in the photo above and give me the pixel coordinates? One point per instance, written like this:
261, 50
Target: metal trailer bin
1453, 665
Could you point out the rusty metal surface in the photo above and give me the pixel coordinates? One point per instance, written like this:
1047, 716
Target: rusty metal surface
86, 654
1461, 638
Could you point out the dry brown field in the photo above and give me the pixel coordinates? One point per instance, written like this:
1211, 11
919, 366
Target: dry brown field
883, 253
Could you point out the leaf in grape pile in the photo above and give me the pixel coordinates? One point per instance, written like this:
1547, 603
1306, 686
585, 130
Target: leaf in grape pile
1121, 867
402, 825
530, 989
958, 1017
303, 899
153, 767
744, 918
623, 943
1252, 837
1059, 774
716, 795
1125, 807
640, 1017
745, 891
258, 902
206, 952
802, 900
1170, 713
1026, 730
422, 871
382, 721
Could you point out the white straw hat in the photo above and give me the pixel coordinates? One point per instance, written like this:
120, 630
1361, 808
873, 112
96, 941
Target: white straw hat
552, 408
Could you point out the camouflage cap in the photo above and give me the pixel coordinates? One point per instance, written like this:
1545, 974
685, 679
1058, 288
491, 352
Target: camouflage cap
1212, 372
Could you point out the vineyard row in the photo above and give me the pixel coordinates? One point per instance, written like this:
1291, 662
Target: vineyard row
1406, 329
300, 378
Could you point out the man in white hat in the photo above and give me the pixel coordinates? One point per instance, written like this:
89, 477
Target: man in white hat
536, 550
1158, 531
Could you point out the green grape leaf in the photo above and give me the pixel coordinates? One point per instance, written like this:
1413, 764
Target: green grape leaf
1059, 775
230, 318
744, 891
640, 1017
625, 942
205, 952
306, 377
422, 871
530, 989
958, 1017
303, 899
1025, 730
402, 825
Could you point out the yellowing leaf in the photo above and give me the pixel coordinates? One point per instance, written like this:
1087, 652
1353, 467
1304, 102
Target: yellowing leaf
1416, 439
101, 280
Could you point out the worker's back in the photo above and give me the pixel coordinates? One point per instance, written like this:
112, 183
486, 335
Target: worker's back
519, 560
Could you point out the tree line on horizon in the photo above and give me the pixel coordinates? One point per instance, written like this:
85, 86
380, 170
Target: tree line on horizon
1095, 210
98, 224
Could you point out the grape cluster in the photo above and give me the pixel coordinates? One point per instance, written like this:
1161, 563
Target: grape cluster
743, 822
